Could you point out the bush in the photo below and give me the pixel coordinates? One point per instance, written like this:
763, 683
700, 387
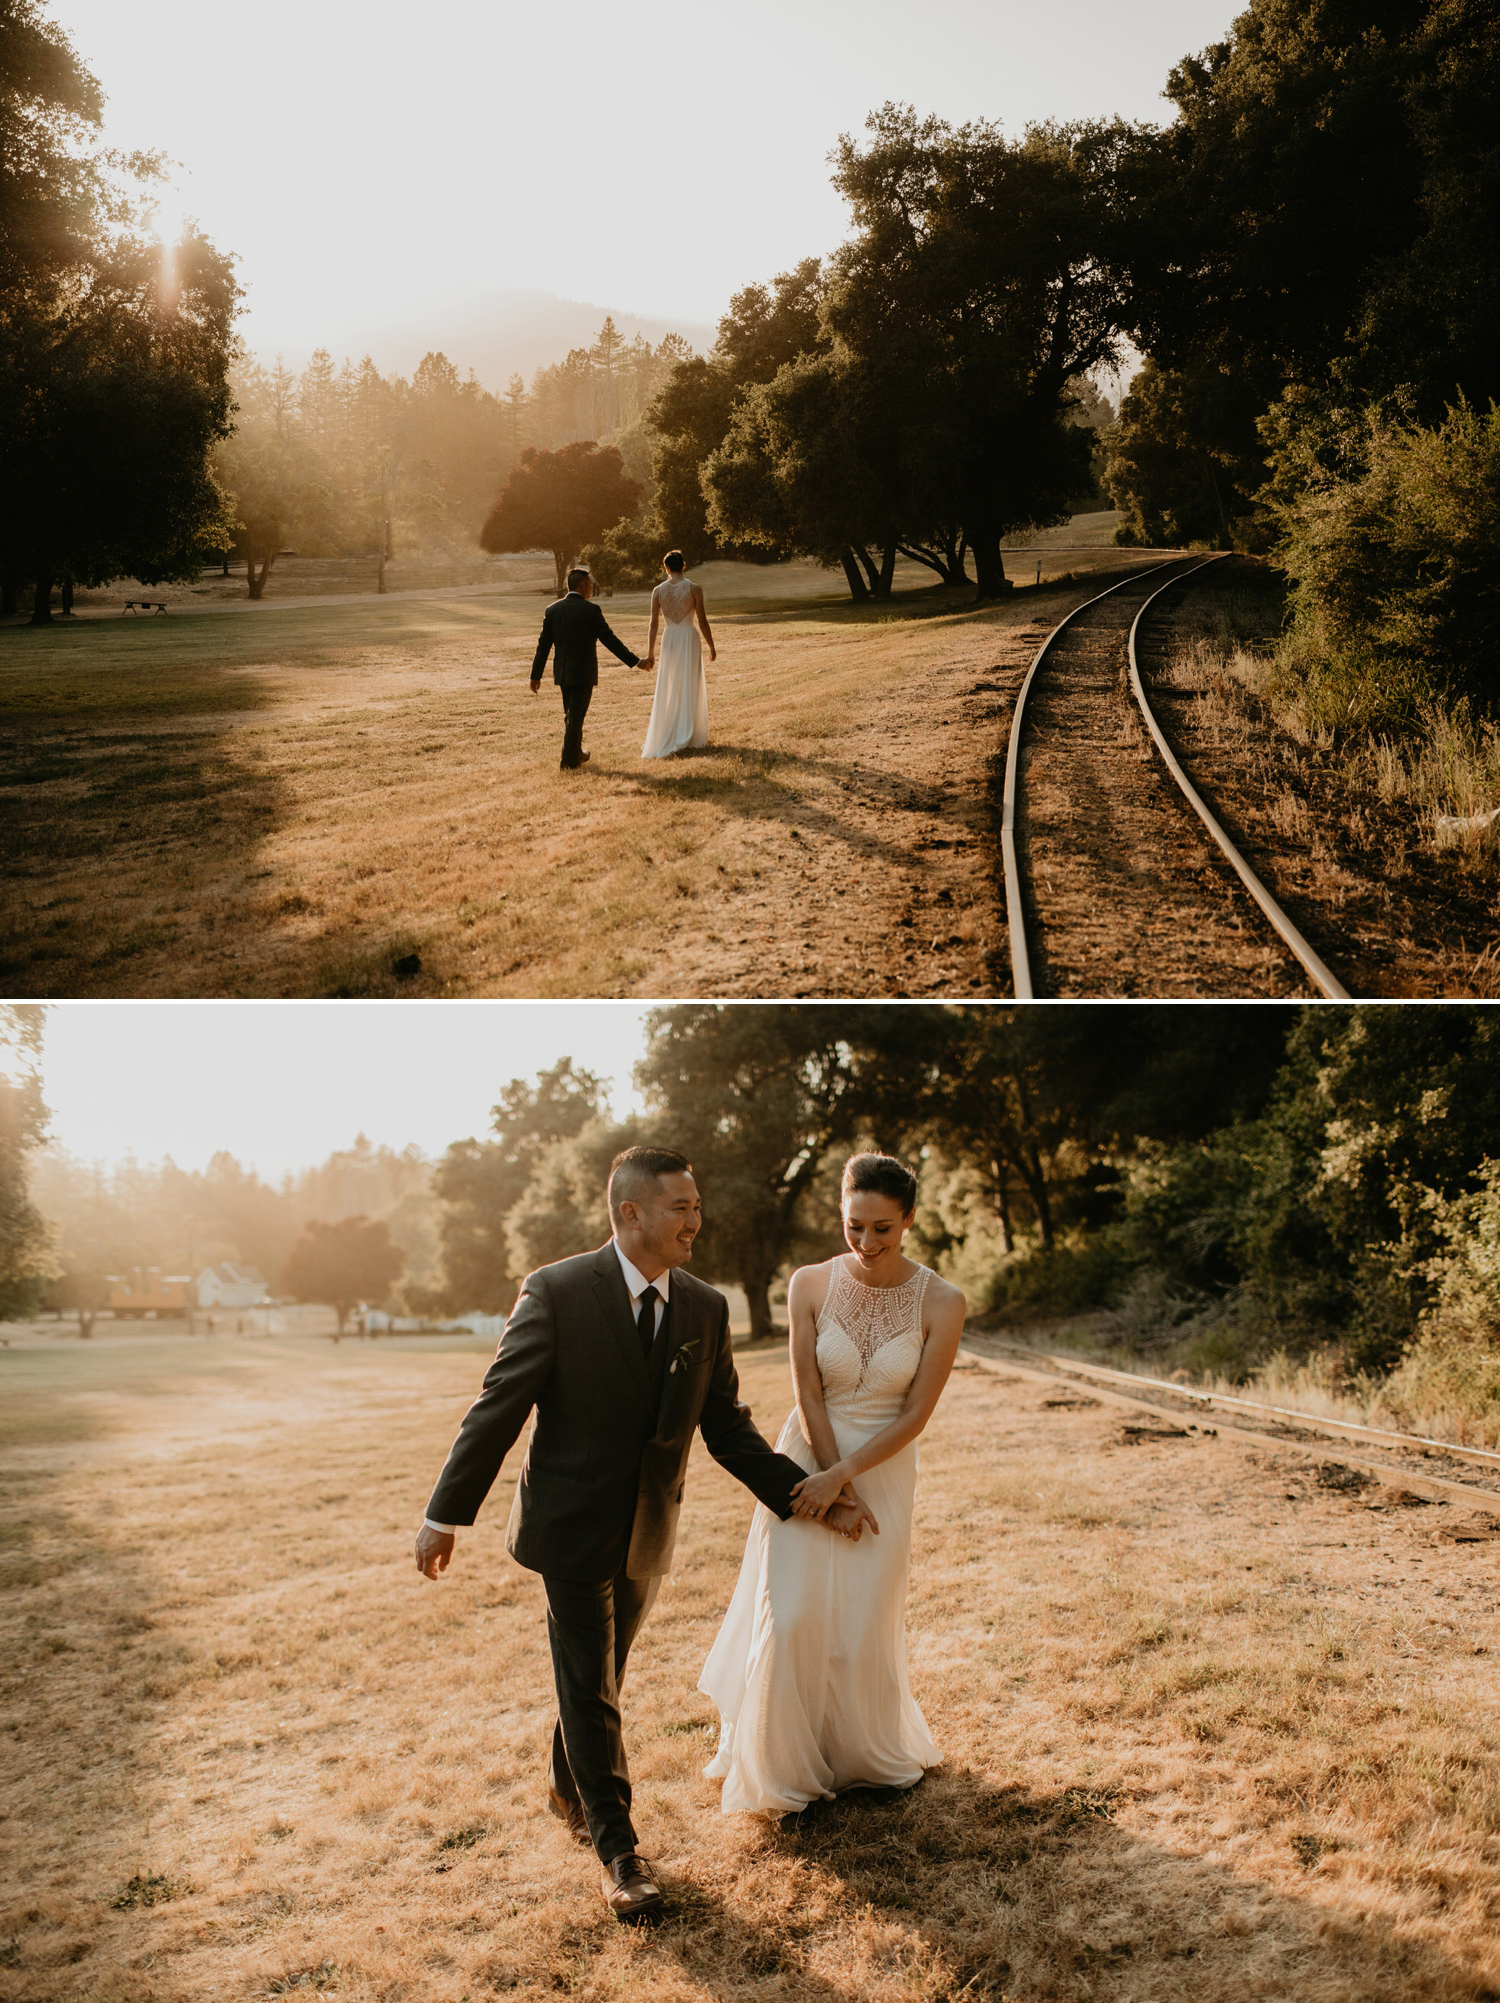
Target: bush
1390, 533
1451, 1372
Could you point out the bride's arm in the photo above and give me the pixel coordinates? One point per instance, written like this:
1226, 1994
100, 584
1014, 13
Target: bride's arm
802, 1304
946, 1308
651, 636
702, 611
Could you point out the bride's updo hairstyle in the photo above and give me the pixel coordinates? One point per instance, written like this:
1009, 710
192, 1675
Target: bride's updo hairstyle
675, 561
881, 1175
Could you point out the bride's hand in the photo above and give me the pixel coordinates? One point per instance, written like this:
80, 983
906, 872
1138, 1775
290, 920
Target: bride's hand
817, 1492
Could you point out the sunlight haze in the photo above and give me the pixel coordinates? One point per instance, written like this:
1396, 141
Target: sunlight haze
367, 165
280, 1085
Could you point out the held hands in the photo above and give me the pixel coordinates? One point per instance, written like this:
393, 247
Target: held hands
816, 1493
646, 663
849, 1515
435, 1547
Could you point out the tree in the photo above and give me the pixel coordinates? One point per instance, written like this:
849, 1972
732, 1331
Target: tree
559, 501
82, 1291
481, 1182
755, 1098
26, 1261
975, 288
1184, 464
342, 1264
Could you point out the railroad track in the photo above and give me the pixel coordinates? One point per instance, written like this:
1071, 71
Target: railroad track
1429, 1468
1118, 904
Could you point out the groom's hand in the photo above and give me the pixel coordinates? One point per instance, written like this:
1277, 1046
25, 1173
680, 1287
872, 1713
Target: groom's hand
536, 685
434, 1549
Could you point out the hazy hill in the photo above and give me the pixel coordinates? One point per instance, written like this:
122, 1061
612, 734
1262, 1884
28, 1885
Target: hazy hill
499, 335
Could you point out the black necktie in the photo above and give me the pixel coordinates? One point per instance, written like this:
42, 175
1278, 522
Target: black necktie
645, 1321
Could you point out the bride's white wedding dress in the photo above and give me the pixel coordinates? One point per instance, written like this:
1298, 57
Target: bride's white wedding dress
809, 1670
679, 709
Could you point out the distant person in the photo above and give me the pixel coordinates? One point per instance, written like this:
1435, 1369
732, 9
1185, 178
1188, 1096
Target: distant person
679, 712
574, 626
624, 1356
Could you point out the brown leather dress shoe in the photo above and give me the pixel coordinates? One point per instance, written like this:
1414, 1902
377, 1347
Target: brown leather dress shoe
631, 1891
570, 1812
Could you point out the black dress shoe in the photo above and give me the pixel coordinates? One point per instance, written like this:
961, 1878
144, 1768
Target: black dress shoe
631, 1891
570, 1812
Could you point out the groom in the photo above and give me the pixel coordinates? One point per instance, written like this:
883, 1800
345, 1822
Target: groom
623, 1355
574, 626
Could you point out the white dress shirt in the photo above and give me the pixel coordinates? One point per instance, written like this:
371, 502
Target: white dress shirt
636, 1284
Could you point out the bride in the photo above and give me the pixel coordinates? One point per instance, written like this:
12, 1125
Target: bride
809, 1670
679, 712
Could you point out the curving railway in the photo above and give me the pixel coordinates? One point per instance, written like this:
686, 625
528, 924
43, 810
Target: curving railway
1434, 1470
1119, 879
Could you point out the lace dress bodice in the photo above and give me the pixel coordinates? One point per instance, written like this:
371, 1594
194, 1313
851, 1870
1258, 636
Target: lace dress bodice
869, 1347
675, 598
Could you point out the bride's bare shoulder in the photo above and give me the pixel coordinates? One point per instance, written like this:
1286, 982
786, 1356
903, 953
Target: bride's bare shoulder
810, 1284
944, 1298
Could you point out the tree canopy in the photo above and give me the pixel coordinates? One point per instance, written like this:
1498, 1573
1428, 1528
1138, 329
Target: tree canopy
559, 501
342, 1265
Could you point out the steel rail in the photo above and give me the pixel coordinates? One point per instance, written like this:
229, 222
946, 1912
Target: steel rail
1434, 1485
1314, 968
1377, 1435
1020, 959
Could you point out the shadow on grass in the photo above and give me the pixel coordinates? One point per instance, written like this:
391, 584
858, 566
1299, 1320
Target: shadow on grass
979, 1891
123, 791
749, 788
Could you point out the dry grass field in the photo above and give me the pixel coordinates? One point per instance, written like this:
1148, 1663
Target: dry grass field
288, 798
1214, 1728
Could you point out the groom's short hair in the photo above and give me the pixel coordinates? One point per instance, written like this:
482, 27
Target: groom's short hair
578, 576
634, 1175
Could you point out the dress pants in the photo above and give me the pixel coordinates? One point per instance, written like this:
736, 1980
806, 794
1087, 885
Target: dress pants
591, 1626
576, 699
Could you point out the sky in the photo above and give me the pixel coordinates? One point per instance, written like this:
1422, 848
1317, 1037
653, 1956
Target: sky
361, 159
281, 1084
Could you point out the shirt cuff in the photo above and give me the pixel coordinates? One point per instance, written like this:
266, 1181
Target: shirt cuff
448, 1529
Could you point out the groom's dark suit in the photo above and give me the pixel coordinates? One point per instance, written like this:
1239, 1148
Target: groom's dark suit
572, 628
596, 1507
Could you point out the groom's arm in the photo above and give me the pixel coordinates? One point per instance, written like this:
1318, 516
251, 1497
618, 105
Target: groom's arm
492, 1424
543, 647
734, 1440
615, 645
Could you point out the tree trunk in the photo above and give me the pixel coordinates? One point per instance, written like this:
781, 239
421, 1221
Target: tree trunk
563, 560
257, 584
866, 564
85, 1323
1002, 1207
1036, 1188
887, 571
10, 595
225, 561
859, 591
757, 1285
67, 598
989, 568
41, 608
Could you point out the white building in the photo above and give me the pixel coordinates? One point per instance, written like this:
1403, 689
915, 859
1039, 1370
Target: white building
227, 1286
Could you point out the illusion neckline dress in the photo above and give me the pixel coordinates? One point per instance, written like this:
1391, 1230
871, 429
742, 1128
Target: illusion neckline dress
679, 708
809, 1670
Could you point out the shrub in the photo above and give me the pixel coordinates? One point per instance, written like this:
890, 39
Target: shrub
1390, 533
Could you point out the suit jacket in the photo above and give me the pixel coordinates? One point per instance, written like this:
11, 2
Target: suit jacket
574, 626
603, 1479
